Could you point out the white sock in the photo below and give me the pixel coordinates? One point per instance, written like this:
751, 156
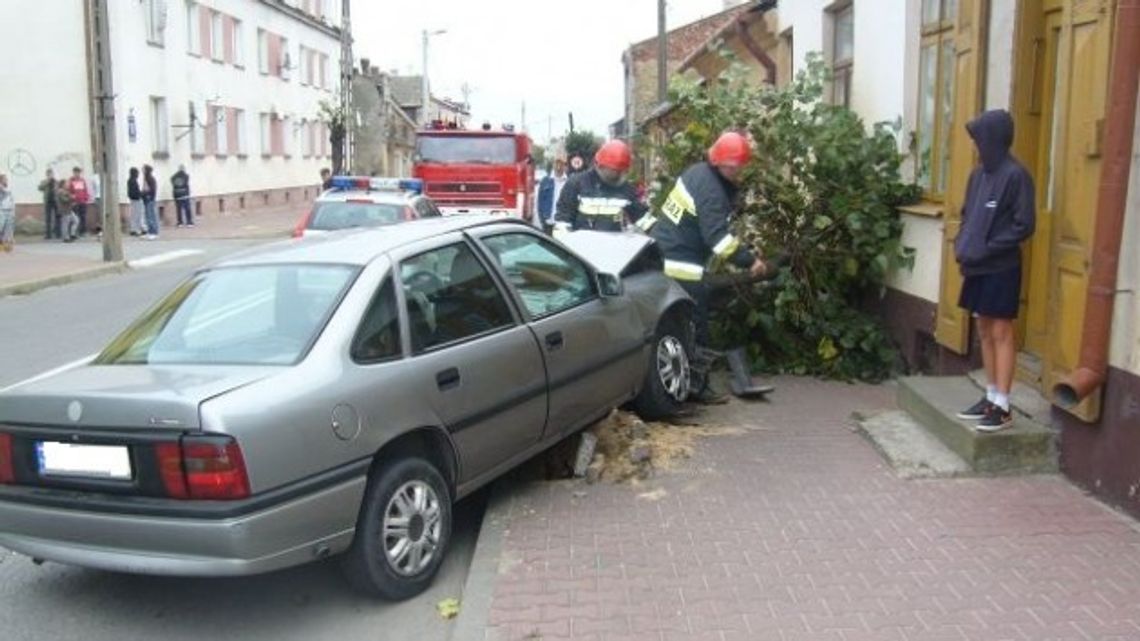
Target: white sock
991, 392
1001, 400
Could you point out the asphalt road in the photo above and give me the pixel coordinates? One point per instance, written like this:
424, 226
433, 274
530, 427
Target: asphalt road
56, 326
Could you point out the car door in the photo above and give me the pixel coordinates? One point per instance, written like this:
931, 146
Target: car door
594, 347
476, 364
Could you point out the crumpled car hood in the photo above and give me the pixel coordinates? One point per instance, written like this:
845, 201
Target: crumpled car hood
610, 252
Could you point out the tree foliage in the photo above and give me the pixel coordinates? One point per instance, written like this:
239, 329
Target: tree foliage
582, 143
822, 190
335, 117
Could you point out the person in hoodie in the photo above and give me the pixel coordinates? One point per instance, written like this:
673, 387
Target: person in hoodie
134, 195
180, 184
149, 194
998, 214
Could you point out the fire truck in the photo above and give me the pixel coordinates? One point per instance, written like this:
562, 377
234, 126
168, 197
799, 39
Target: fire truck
476, 171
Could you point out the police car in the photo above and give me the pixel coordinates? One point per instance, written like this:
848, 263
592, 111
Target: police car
362, 201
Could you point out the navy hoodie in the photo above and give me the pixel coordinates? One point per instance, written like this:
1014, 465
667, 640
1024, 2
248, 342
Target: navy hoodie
999, 211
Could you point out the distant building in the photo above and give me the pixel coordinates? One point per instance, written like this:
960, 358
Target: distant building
384, 135
232, 90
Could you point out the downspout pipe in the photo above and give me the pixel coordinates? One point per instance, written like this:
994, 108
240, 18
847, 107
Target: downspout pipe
1092, 368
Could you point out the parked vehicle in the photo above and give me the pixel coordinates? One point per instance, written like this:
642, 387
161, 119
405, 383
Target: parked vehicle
468, 172
335, 397
362, 201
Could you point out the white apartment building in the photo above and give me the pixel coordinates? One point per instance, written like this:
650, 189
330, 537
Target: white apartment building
229, 88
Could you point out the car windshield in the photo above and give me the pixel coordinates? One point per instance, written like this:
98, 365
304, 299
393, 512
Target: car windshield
485, 150
328, 216
258, 315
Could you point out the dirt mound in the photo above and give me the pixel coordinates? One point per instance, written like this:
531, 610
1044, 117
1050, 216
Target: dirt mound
629, 448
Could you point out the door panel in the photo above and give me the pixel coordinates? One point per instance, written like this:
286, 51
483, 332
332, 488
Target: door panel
952, 326
1082, 91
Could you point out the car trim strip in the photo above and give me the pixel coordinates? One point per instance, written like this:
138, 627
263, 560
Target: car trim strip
174, 508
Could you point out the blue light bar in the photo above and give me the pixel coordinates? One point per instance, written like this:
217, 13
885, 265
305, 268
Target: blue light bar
366, 183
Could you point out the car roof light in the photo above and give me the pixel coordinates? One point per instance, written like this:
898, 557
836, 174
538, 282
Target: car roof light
413, 185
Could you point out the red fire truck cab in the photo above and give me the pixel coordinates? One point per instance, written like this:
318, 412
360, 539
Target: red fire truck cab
488, 171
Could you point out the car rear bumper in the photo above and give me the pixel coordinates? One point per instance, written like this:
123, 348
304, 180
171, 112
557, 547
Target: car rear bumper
302, 529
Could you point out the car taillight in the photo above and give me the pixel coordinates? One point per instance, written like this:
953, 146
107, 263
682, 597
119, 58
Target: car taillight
7, 469
203, 467
299, 230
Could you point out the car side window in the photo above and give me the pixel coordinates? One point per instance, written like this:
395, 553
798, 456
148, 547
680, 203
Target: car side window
548, 278
450, 296
378, 337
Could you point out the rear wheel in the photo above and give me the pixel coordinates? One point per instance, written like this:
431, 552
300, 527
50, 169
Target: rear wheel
669, 376
403, 531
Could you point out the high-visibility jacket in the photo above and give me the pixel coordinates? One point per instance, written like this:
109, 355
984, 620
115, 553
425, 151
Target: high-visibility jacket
588, 202
692, 227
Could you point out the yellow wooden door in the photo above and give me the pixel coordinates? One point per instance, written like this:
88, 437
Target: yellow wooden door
1083, 59
952, 325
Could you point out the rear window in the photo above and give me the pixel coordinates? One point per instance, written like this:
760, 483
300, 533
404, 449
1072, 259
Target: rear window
259, 315
328, 216
479, 150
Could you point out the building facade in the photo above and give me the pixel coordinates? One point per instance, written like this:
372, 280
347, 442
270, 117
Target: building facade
1062, 68
229, 88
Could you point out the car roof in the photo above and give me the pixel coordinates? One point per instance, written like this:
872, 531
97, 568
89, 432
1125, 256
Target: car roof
374, 196
359, 246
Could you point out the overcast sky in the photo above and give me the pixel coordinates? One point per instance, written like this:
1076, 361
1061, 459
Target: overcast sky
557, 56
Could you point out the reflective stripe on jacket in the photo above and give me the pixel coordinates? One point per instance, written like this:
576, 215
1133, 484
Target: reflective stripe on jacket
588, 202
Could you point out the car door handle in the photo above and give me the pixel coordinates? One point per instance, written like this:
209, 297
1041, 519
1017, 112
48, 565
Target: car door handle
554, 341
447, 379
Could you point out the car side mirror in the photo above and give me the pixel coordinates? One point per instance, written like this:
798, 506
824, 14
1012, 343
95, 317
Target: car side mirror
609, 285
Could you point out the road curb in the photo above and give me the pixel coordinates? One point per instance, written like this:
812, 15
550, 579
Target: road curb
471, 624
31, 286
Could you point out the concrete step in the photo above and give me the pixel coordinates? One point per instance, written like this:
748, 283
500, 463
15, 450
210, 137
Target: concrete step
1027, 447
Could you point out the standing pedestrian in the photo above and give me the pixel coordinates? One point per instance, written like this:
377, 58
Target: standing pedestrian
998, 215
326, 179
80, 197
599, 198
7, 216
95, 183
549, 190
149, 193
68, 220
693, 229
180, 183
134, 195
51, 210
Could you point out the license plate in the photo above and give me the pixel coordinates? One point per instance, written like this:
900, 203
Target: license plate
84, 461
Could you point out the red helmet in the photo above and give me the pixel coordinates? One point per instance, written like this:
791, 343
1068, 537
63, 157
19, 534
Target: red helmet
730, 149
614, 155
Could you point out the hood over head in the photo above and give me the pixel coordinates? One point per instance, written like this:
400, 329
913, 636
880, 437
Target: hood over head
992, 132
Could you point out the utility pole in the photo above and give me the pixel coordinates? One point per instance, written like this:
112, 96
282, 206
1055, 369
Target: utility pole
571, 122
426, 96
662, 53
346, 72
106, 149
523, 127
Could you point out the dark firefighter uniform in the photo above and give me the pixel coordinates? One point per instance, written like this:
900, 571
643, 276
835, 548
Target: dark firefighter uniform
588, 202
693, 233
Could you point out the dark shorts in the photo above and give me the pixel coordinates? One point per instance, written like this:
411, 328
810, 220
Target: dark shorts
992, 295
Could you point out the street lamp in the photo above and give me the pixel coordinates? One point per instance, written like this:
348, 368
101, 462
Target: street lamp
424, 78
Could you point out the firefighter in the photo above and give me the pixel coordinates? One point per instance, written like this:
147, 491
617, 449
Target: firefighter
693, 233
600, 198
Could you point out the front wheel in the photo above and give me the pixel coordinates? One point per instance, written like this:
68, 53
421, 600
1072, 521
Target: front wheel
669, 376
403, 531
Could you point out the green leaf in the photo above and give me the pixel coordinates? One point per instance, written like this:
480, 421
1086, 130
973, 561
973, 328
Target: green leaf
827, 350
850, 266
822, 222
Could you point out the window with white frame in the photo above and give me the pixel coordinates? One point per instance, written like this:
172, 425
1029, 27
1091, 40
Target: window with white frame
266, 135
193, 37
159, 126
238, 43
237, 142
287, 63
198, 121
303, 60
842, 53
263, 51
156, 21
217, 37
324, 71
288, 136
306, 139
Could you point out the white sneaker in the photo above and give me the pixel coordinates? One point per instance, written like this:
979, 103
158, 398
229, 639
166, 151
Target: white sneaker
151, 237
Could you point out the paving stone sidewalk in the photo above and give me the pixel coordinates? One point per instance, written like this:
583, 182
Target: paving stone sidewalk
797, 529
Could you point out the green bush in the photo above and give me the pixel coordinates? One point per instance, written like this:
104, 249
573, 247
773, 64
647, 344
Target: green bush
821, 189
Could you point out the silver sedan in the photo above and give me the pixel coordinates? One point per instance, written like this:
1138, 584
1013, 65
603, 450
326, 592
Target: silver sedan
335, 396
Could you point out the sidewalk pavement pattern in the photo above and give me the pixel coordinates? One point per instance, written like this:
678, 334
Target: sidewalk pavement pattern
37, 263
796, 529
